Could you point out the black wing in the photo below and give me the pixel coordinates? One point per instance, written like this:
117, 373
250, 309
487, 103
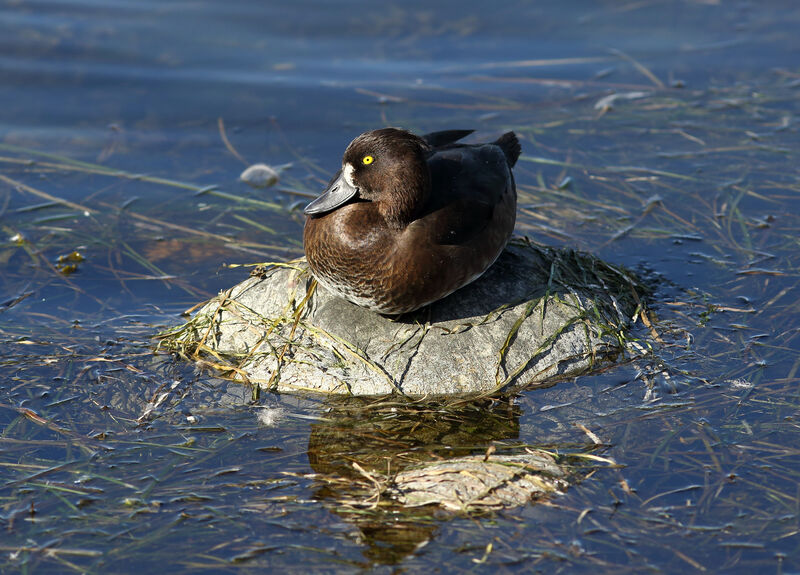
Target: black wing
439, 139
468, 185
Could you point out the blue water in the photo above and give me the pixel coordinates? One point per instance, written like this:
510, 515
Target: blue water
133, 462
165, 70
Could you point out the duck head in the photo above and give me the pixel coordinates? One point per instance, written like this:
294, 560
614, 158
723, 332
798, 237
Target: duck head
386, 167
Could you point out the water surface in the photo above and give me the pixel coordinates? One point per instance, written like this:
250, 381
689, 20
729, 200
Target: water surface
125, 126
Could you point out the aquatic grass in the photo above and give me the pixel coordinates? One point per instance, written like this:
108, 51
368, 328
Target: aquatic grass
97, 221
706, 472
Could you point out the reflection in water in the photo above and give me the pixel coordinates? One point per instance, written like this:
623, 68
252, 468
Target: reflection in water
362, 445
383, 436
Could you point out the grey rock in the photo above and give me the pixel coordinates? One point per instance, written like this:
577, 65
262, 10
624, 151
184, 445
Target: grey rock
260, 176
538, 314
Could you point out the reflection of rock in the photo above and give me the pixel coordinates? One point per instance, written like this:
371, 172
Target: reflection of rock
386, 436
390, 466
391, 541
537, 314
480, 483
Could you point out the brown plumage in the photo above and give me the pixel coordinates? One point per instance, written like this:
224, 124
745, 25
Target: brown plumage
409, 220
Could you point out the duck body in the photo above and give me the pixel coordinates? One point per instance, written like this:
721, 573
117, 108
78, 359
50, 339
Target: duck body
408, 220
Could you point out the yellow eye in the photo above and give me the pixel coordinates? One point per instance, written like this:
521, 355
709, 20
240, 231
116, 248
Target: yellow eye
367, 160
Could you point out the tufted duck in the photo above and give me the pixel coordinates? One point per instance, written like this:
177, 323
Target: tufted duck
409, 219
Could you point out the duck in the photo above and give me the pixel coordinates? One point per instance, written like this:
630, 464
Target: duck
409, 219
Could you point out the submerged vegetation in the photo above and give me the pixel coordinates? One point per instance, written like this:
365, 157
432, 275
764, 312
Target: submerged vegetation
115, 458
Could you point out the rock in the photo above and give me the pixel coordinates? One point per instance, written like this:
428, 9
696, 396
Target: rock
260, 176
536, 315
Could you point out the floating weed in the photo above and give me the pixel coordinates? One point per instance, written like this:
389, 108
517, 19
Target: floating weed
108, 460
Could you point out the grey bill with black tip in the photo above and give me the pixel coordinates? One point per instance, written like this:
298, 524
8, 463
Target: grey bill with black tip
338, 193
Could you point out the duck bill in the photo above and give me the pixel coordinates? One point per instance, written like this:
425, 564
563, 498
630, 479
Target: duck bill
339, 192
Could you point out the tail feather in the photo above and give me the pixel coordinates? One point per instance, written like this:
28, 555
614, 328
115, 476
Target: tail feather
509, 143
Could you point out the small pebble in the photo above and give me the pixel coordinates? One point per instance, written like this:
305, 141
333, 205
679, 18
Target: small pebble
260, 176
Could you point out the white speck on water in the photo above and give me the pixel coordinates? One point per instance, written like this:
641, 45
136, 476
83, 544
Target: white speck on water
607, 102
739, 383
270, 416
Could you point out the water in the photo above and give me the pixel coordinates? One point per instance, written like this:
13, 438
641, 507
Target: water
113, 459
